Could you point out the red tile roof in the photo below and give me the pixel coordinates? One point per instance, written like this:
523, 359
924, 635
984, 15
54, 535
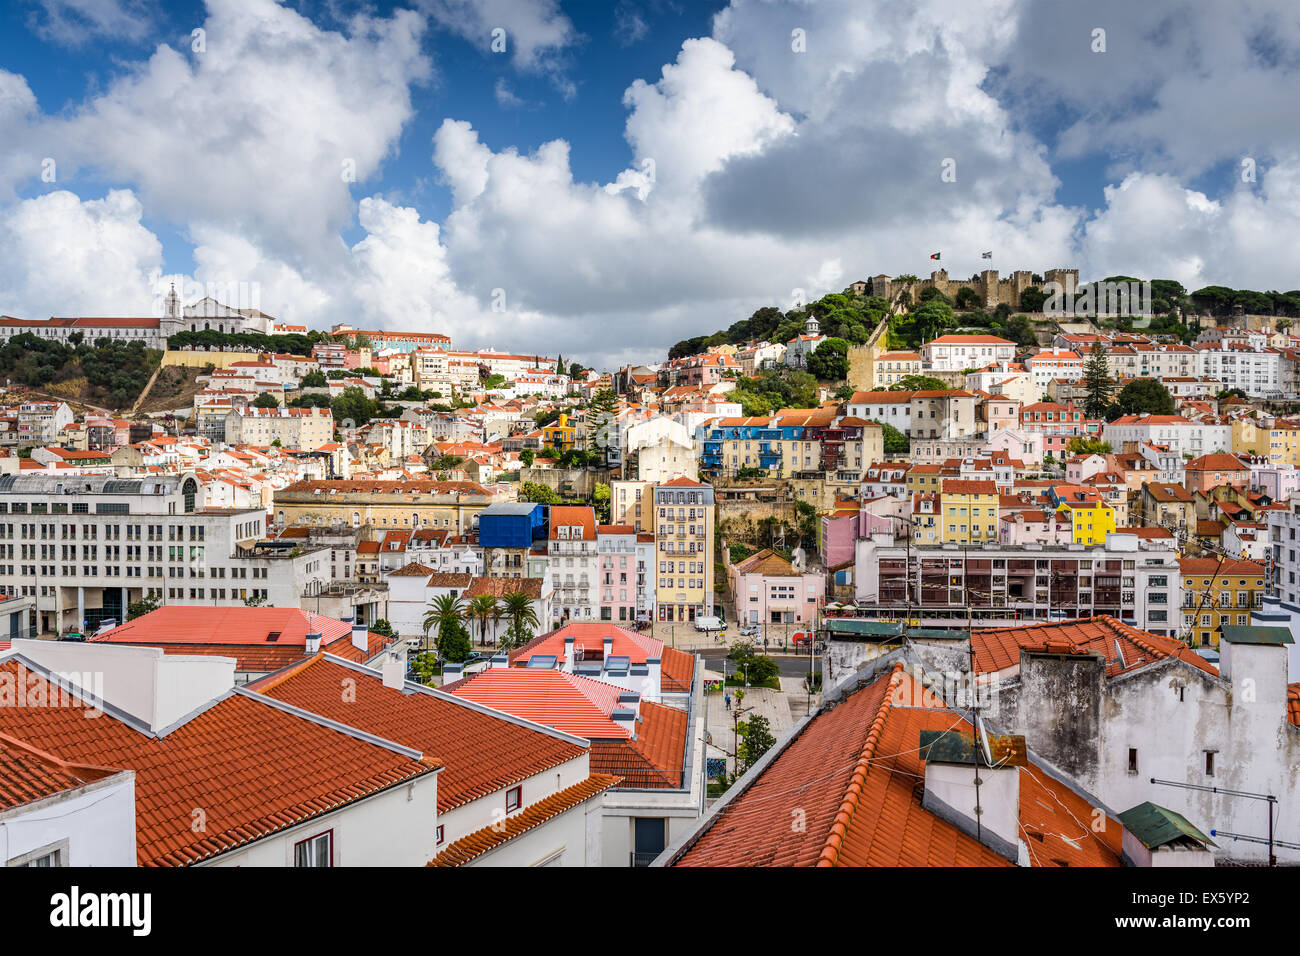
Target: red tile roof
1293, 703
999, 648
570, 703
28, 774
474, 845
854, 779
677, 668
254, 769
482, 752
242, 633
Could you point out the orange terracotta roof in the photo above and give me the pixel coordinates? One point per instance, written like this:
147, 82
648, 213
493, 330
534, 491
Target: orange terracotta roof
854, 776
474, 845
28, 774
999, 648
254, 768
1293, 703
481, 752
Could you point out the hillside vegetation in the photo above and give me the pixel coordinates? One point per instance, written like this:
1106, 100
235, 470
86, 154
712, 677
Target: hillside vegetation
113, 372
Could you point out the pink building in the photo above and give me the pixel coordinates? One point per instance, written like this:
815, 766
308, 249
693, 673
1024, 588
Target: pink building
1057, 424
1214, 471
769, 590
616, 572
1035, 526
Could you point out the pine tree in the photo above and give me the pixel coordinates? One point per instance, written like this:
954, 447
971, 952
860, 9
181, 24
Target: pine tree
1097, 381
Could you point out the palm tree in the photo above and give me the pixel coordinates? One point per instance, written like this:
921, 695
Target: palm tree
481, 609
498, 612
446, 609
522, 615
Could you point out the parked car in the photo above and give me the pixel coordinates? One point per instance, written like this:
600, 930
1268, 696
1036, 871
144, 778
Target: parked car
708, 624
749, 630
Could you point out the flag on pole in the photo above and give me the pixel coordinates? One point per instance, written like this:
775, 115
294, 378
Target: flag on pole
935, 256
987, 255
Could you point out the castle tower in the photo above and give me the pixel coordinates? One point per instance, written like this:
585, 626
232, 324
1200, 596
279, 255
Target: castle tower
812, 327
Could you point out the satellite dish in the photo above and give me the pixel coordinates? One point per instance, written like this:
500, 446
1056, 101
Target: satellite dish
984, 737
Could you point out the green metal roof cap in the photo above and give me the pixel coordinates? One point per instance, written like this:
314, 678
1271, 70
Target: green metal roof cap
1155, 826
1253, 634
862, 628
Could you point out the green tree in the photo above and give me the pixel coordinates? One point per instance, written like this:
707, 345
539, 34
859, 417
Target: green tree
522, 615
919, 383
600, 500
424, 666
313, 379
1088, 446
830, 360
1147, 395
542, 494
146, 604
526, 457
756, 740
382, 626
896, 443
481, 608
352, 405
446, 614
1097, 382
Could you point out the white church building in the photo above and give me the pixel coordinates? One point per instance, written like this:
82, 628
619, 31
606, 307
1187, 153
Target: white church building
205, 314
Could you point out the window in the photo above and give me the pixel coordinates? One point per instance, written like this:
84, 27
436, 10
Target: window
52, 854
441, 835
514, 797
315, 851
1209, 763
1132, 760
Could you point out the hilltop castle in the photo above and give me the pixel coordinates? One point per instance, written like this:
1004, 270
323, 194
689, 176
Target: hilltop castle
992, 290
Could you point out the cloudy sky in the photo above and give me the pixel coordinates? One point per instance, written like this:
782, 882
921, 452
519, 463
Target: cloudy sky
605, 178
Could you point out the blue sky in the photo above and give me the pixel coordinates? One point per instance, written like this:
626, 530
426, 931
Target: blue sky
629, 173
604, 62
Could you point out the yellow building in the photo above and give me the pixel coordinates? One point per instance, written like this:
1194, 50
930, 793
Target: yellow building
1089, 520
970, 511
924, 479
888, 368
559, 434
683, 516
382, 504
1279, 442
1218, 592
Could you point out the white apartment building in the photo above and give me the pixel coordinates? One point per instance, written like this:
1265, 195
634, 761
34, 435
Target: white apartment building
1257, 372
304, 428
954, 353
40, 423
1050, 364
1192, 439
86, 547
574, 562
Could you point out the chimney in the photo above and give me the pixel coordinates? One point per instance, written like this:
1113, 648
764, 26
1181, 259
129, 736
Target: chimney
654, 679
313, 642
452, 672
568, 654
626, 719
630, 700
1254, 660
499, 660
394, 668
953, 762
608, 648
361, 638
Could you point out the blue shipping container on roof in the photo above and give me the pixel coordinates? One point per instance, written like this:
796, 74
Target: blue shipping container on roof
508, 525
